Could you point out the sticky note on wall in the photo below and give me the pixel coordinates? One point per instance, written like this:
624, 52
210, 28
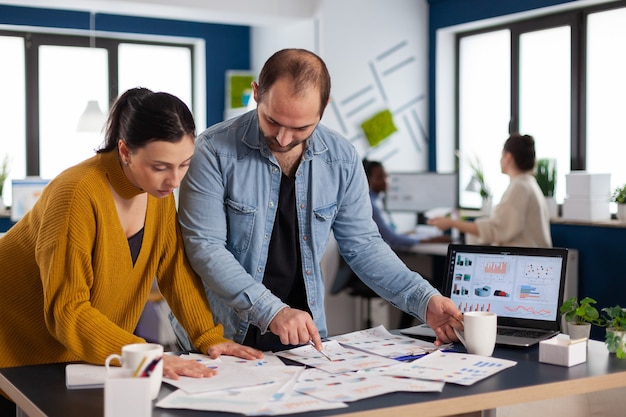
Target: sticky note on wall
378, 127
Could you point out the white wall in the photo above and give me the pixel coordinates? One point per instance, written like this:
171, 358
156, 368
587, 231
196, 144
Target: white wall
376, 52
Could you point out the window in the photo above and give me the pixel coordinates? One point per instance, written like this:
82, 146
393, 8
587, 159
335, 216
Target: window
545, 96
484, 113
49, 78
564, 82
12, 110
69, 77
606, 89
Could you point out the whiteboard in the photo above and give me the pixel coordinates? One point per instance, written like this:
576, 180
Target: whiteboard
421, 191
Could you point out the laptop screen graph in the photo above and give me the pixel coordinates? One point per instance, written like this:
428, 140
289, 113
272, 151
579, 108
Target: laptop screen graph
516, 283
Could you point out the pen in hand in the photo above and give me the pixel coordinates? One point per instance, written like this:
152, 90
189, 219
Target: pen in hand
320, 351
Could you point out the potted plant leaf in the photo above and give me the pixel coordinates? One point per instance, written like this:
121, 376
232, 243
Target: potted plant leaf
619, 197
4, 174
580, 315
615, 321
545, 174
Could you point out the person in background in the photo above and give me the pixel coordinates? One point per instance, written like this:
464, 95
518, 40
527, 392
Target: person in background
377, 180
78, 267
263, 194
522, 217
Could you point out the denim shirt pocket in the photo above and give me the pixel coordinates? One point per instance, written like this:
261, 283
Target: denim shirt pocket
240, 221
324, 217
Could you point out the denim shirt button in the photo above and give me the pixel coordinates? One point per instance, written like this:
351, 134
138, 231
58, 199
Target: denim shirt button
265, 237
305, 237
302, 206
271, 204
258, 269
275, 170
308, 272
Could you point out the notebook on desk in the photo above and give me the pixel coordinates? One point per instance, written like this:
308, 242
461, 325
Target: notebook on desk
523, 286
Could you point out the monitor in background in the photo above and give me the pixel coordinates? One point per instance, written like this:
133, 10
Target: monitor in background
421, 191
25, 193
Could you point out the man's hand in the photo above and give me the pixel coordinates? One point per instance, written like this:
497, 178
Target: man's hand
442, 316
295, 327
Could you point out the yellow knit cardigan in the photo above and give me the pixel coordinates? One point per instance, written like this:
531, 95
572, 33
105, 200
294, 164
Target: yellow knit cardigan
68, 287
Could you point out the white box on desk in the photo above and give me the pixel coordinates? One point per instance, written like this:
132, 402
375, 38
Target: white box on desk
560, 350
586, 209
585, 184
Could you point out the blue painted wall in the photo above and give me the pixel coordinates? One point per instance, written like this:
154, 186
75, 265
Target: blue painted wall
227, 46
602, 250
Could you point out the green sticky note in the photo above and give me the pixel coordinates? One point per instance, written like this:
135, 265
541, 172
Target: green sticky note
378, 127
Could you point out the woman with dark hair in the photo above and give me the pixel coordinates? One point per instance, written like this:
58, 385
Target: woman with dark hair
78, 267
522, 217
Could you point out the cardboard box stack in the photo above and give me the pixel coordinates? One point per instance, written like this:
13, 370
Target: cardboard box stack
587, 196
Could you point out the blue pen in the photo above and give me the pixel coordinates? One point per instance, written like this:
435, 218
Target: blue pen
410, 358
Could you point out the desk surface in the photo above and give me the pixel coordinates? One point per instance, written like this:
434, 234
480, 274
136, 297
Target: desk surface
40, 390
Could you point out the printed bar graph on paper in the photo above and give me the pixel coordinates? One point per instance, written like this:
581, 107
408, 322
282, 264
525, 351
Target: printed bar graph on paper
495, 267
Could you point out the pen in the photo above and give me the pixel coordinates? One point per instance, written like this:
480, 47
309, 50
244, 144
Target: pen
150, 368
320, 351
138, 369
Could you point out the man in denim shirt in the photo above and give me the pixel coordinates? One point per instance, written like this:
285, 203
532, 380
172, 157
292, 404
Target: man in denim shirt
262, 195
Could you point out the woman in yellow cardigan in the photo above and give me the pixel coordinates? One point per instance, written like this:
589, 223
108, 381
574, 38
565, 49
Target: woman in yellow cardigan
78, 268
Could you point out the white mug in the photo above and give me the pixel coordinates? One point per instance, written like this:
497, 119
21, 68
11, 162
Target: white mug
480, 332
138, 357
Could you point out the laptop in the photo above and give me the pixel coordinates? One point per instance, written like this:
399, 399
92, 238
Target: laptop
523, 286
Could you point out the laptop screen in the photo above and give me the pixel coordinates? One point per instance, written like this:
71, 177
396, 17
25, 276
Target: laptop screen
523, 286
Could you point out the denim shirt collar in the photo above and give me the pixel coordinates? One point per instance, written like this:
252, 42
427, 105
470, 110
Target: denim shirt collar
253, 138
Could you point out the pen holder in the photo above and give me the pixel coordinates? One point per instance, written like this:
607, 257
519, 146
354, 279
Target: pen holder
125, 396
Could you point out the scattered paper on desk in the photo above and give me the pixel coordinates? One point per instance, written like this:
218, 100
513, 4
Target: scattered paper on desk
380, 341
237, 400
227, 377
270, 399
344, 359
83, 376
456, 368
269, 359
353, 386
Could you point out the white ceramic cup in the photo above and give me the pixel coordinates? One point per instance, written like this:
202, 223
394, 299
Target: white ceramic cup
137, 357
479, 334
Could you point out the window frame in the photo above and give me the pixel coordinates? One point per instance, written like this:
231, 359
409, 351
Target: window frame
576, 19
32, 41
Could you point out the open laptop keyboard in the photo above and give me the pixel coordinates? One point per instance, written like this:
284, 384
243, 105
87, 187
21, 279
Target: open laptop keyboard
508, 331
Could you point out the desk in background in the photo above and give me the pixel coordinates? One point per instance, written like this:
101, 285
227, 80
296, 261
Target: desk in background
40, 390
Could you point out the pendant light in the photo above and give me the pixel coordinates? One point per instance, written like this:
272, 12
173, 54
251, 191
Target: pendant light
92, 119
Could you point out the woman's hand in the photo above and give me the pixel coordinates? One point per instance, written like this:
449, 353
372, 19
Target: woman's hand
175, 366
234, 349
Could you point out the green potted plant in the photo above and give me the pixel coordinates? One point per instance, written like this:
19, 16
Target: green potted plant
4, 174
580, 315
619, 197
615, 321
545, 174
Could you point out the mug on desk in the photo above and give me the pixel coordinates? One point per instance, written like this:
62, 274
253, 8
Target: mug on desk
142, 360
479, 334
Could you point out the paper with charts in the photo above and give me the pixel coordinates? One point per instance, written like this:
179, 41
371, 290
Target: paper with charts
344, 359
456, 368
273, 398
261, 371
353, 386
380, 341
